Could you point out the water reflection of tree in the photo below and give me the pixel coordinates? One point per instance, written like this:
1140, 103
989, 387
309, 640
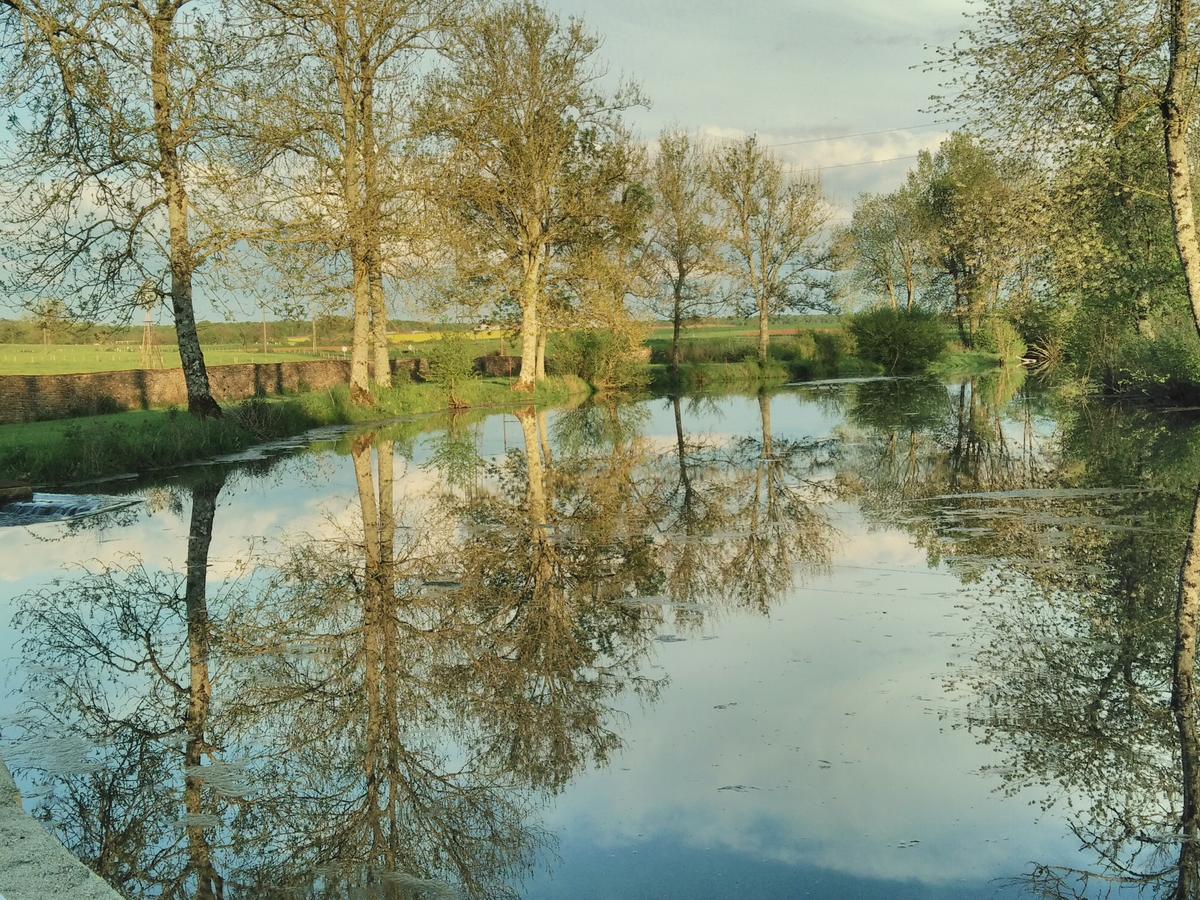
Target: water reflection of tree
124, 663
782, 529
374, 789
912, 444
741, 519
553, 554
404, 688
1084, 675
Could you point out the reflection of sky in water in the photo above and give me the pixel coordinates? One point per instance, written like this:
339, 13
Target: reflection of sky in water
808, 752
850, 777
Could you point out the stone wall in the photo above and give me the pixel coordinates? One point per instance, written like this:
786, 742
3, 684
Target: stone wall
32, 398
497, 366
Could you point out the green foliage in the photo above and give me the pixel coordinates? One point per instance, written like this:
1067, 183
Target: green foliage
604, 359
810, 353
899, 341
834, 349
748, 372
721, 349
451, 366
1000, 337
1163, 361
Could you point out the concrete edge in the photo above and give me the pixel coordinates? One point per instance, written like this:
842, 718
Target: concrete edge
33, 864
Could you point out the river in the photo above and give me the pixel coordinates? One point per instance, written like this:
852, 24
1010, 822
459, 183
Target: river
878, 639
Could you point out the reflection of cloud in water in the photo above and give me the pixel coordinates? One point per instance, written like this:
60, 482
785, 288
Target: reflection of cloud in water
853, 774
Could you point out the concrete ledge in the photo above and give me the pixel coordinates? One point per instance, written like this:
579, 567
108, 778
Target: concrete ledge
35, 866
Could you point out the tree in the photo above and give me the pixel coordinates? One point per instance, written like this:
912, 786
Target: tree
48, 315
771, 228
1179, 95
883, 244
117, 157
684, 237
327, 123
1057, 76
591, 282
532, 147
970, 201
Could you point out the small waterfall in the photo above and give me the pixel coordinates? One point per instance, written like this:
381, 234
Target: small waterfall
44, 508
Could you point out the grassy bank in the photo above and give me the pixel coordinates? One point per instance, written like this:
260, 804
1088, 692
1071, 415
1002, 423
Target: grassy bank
94, 447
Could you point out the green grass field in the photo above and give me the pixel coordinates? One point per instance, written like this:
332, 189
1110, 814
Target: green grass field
74, 359
747, 329
46, 453
68, 359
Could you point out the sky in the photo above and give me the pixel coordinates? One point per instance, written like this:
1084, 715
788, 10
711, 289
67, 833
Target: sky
787, 70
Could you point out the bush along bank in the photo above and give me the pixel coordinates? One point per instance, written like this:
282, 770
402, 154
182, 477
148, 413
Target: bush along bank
731, 361
66, 450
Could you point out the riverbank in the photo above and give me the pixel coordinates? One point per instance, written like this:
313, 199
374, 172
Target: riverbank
66, 450
698, 376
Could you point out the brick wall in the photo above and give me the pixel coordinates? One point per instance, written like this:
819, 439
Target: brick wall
31, 398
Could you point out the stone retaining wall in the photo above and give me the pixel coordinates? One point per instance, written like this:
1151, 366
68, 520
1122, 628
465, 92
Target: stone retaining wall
32, 398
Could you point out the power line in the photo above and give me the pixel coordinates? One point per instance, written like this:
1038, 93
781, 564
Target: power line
865, 162
841, 137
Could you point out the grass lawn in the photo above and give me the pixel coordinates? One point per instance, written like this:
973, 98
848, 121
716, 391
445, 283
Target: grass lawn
69, 359
73, 359
66, 450
747, 329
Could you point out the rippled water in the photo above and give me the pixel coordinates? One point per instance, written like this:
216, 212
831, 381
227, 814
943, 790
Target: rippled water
877, 639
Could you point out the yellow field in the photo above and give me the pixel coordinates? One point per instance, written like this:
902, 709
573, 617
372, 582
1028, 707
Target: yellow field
421, 337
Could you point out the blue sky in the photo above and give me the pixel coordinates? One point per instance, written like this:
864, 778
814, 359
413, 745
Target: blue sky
787, 70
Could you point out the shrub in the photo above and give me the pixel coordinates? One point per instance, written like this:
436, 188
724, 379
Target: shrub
1001, 337
451, 365
700, 349
1167, 363
601, 358
834, 348
899, 340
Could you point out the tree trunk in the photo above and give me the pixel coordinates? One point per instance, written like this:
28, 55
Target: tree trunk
960, 316
264, 331
1175, 108
529, 324
536, 495
891, 292
372, 226
360, 372
1183, 706
541, 354
677, 326
763, 330
352, 190
314, 332
195, 373
910, 286
768, 433
379, 320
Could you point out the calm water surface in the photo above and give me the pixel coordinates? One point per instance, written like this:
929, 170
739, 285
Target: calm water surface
882, 640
